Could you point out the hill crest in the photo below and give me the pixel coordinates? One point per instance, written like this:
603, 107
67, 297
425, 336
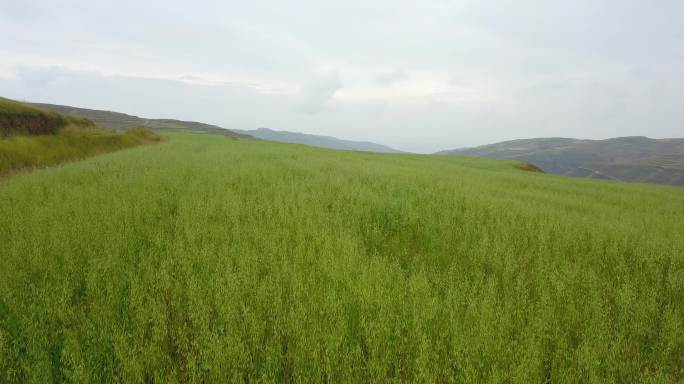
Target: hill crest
121, 121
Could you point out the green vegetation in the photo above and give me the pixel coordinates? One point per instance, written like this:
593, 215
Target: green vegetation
19, 118
215, 260
31, 137
528, 167
69, 144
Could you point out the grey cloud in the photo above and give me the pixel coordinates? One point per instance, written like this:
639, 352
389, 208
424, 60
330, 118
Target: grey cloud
314, 96
389, 77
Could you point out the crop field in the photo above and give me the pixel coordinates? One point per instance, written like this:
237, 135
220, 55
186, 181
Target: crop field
207, 259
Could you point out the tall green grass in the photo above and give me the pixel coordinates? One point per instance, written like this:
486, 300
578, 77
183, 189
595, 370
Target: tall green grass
214, 260
68, 144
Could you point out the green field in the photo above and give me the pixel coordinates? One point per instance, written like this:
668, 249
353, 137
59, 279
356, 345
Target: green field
206, 259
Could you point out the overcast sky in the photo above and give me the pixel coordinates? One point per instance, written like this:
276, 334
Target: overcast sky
416, 75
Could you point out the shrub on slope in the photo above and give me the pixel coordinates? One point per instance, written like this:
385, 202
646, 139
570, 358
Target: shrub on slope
69, 144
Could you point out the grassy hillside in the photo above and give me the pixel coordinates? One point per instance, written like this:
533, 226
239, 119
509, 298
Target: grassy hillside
19, 118
214, 260
661, 169
121, 121
634, 159
32, 137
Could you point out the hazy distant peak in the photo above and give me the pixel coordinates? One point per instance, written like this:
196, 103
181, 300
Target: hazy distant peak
317, 140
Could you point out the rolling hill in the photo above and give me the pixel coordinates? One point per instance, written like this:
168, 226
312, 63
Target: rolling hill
632, 159
317, 140
121, 121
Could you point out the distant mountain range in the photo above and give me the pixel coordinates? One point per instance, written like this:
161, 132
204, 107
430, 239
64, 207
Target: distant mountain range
317, 141
633, 159
121, 121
